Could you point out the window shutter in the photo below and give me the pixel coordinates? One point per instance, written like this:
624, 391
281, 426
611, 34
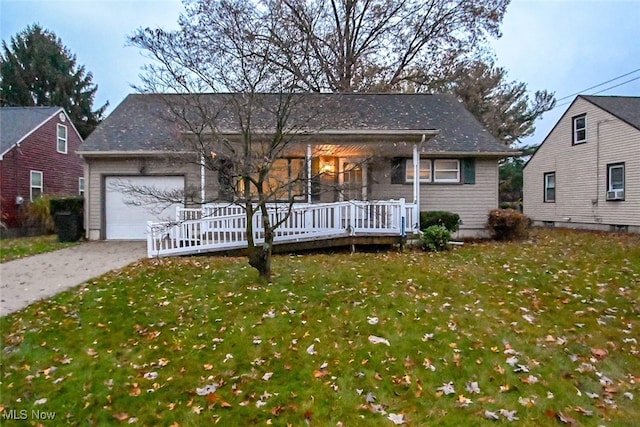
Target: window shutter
225, 180
468, 171
398, 172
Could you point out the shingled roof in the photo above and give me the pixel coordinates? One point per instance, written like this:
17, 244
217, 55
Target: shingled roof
18, 122
139, 123
626, 108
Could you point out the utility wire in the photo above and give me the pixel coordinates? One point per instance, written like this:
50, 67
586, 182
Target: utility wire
603, 90
620, 84
600, 84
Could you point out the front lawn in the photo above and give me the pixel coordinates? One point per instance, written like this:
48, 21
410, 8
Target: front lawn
21, 247
536, 333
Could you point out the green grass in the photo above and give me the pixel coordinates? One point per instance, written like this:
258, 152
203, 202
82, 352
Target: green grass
136, 344
21, 247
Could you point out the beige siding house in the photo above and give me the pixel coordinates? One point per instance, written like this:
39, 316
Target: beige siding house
363, 148
586, 173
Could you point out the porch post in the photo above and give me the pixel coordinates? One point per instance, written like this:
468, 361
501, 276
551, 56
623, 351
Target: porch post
416, 183
309, 187
202, 171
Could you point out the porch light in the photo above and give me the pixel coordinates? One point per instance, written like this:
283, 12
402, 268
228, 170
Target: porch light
326, 166
213, 155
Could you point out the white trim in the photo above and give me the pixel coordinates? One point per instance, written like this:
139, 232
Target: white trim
31, 186
410, 165
446, 180
81, 185
60, 139
610, 168
548, 187
575, 129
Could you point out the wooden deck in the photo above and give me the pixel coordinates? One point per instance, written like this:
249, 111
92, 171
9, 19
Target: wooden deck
222, 227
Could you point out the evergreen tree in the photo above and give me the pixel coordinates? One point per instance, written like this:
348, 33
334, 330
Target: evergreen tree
503, 107
36, 69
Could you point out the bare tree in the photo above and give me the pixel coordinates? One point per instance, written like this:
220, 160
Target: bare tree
246, 129
376, 45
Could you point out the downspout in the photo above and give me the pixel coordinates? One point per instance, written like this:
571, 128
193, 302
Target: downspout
416, 179
309, 187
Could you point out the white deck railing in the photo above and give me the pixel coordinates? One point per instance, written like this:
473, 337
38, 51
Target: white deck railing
220, 227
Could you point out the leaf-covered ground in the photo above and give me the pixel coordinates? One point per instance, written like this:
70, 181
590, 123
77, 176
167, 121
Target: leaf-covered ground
543, 332
21, 247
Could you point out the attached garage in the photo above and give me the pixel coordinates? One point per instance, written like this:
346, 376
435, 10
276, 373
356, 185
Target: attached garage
127, 210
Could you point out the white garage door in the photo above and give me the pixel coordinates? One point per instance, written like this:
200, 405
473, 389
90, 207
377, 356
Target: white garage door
127, 210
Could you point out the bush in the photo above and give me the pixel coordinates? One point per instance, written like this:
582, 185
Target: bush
449, 220
38, 216
435, 238
508, 224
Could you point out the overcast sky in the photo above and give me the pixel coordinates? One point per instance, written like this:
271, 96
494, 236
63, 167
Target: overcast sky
565, 46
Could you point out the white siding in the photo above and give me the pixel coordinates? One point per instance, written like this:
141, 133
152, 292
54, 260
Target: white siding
471, 201
581, 172
98, 169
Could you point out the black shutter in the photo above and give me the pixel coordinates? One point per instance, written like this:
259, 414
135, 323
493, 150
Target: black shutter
398, 172
225, 180
468, 171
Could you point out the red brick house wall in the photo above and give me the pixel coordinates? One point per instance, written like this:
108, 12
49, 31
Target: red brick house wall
38, 152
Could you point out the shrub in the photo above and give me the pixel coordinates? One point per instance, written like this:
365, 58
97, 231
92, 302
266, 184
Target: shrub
449, 220
435, 238
508, 224
38, 215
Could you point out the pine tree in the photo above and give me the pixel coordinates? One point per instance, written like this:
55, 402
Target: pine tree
36, 69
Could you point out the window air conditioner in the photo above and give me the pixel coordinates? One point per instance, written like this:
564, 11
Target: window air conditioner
615, 195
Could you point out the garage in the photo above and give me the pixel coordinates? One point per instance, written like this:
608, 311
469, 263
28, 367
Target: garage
128, 206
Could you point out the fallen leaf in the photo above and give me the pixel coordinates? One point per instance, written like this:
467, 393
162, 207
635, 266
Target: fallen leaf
397, 419
566, 419
121, 416
208, 389
599, 353
378, 340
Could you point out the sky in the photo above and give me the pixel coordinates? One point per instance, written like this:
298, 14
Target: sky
564, 46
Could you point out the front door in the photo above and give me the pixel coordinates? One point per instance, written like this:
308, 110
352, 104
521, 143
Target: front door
354, 180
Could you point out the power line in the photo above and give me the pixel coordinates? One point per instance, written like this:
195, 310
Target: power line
620, 84
603, 90
601, 84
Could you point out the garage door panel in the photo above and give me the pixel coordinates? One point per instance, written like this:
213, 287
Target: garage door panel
129, 204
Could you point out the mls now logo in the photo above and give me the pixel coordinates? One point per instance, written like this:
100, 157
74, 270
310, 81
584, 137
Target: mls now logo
23, 414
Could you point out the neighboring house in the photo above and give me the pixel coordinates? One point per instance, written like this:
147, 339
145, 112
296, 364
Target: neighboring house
37, 156
368, 143
586, 173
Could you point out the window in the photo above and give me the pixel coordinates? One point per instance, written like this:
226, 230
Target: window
579, 129
615, 181
445, 170
286, 180
37, 186
81, 186
550, 187
425, 170
62, 139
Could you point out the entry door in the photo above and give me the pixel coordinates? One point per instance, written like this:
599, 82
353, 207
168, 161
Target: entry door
354, 180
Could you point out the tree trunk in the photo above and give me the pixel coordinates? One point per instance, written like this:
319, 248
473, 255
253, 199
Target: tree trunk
260, 256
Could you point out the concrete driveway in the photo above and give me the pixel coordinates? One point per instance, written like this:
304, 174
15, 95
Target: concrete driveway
25, 281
